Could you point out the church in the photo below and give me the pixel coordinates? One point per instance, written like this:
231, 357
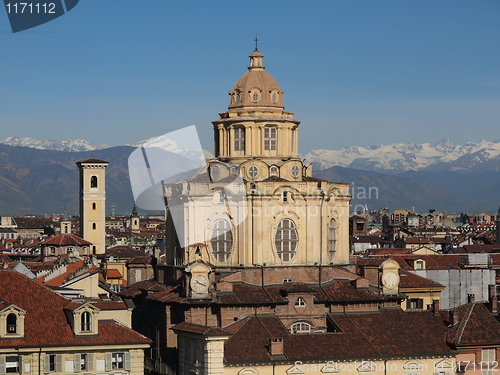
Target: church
262, 283
290, 218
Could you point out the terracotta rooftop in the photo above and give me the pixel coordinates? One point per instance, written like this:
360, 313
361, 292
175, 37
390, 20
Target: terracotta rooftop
368, 335
46, 323
66, 240
34, 222
201, 330
411, 280
142, 287
123, 252
476, 326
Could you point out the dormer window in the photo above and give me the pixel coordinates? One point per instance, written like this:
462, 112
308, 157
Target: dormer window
11, 323
419, 264
84, 319
86, 322
300, 327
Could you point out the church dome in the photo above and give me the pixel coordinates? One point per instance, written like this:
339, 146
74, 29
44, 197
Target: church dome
256, 88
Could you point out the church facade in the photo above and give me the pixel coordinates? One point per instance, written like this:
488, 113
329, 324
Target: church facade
285, 218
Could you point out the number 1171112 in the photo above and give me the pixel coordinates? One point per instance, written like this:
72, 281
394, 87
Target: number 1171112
31, 7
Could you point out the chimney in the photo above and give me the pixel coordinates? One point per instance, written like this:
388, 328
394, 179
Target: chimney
493, 299
471, 298
435, 306
494, 305
276, 347
453, 317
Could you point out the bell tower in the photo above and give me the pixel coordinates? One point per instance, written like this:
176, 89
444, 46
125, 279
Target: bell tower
93, 203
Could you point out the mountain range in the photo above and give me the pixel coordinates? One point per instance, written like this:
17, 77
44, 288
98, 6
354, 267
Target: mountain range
444, 176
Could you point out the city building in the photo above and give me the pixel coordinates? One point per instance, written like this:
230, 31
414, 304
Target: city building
42, 332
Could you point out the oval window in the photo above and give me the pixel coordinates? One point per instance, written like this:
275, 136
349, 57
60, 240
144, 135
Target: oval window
253, 172
215, 172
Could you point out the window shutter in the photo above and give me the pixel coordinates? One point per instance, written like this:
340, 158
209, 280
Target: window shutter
46, 364
420, 303
77, 365
58, 362
90, 362
20, 363
127, 365
108, 362
2, 365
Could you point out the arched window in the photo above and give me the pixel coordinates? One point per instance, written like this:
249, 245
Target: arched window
11, 323
286, 240
238, 97
270, 138
94, 206
273, 170
300, 302
86, 322
222, 240
300, 327
332, 236
94, 226
93, 181
285, 197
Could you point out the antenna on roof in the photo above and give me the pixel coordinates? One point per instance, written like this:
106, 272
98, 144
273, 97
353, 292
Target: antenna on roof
256, 43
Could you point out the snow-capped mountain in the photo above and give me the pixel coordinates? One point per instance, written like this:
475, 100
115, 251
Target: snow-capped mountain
54, 144
195, 152
399, 157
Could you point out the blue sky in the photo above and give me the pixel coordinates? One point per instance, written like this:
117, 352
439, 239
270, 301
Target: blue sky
356, 73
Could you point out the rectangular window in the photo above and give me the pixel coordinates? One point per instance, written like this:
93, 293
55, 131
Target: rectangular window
13, 364
118, 361
415, 303
239, 139
52, 363
488, 355
83, 361
270, 138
